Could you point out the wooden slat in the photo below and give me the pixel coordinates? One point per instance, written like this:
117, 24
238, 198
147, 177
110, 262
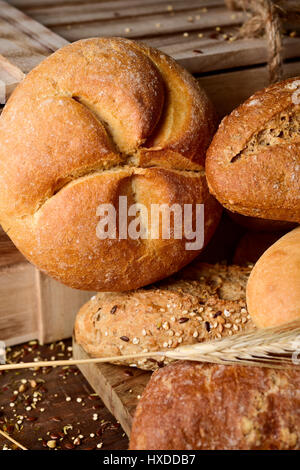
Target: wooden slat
18, 303
68, 14
23, 44
32, 4
227, 55
143, 26
155, 25
43, 36
57, 307
228, 90
118, 390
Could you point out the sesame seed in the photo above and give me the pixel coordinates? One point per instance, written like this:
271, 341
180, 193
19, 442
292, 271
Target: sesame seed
165, 345
135, 341
144, 332
195, 334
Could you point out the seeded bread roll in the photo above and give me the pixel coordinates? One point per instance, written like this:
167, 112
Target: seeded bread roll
172, 314
253, 162
191, 406
99, 119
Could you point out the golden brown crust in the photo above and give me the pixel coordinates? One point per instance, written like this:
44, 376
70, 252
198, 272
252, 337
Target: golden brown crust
253, 162
273, 289
189, 406
163, 317
84, 128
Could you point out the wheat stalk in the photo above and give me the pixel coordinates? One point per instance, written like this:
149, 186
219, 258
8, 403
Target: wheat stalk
270, 347
11, 439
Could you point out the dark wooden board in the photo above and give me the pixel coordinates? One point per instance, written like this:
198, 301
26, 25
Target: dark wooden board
54, 386
118, 387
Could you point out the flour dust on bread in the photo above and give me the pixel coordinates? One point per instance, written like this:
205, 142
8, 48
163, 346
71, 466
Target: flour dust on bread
162, 317
253, 162
99, 119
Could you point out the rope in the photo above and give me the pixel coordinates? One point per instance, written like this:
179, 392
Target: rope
266, 19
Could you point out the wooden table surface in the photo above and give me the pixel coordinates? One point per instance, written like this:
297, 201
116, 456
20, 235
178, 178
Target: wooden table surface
53, 404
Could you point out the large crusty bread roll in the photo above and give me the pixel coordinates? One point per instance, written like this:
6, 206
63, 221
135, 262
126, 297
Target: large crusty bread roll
253, 162
162, 317
99, 119
273, 289
190, 406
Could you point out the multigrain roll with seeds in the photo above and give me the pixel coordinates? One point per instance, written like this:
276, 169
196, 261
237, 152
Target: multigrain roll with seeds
196, 406
99, 119
253, 162
166, 316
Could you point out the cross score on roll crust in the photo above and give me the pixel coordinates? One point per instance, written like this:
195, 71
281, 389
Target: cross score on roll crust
253, 162
101, 118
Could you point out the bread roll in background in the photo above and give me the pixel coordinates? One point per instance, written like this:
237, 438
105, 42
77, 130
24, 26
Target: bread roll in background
253, 162
99, 119
162, 317
273, 289
196, 406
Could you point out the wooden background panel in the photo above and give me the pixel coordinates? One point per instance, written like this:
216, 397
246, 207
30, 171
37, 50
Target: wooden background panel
174, 27
228, 90
23, 41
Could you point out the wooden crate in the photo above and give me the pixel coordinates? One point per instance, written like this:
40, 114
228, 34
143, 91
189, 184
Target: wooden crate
230, 71
32, 305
